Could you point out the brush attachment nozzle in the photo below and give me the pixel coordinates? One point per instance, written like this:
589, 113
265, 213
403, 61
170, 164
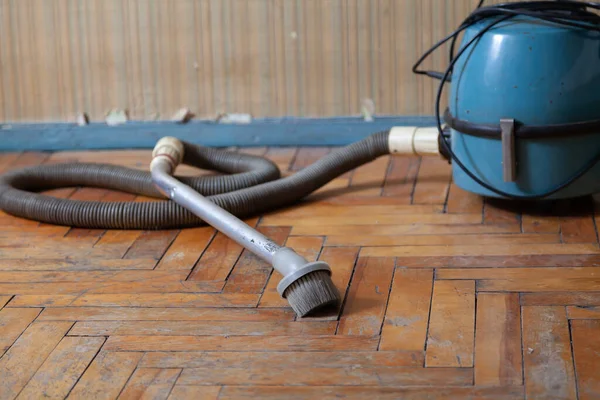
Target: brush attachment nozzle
307, 286
312, 292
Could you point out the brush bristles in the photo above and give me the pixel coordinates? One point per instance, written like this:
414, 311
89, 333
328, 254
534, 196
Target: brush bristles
312, 292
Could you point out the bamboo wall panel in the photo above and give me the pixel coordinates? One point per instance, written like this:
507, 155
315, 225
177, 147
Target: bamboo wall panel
263, 57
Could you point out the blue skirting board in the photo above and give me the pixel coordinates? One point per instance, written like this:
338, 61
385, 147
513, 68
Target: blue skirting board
143, 135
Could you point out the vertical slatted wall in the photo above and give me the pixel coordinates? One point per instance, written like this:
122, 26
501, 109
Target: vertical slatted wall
307, 58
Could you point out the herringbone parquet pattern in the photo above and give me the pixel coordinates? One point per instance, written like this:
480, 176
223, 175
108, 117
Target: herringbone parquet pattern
447, 296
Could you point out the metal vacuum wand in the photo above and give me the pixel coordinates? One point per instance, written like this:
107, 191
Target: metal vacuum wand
167, 155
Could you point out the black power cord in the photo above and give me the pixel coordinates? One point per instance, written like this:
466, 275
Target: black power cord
562, 12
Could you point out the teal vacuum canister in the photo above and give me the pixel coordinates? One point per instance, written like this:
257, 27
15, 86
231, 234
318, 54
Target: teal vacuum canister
523, 116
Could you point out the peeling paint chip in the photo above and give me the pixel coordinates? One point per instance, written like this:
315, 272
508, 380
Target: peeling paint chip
234, 118
82, 119
182, 116
368, 109
116, 117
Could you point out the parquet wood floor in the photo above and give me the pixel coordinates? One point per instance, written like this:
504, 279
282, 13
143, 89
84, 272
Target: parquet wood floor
446, 296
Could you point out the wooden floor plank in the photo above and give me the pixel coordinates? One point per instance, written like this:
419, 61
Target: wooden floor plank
578, 229
540, 224
540, 285
291, 359
176, 300
400, 180
182, 392
163, 383
450, 340
167, 300
475, 250
325, 209
336, 188
78, 248
364, 392
282, 156
242, 343
307, 156
88, 276
29, 352
523, 273
113, 367
433, 181
561, 298
439, 240
407, 316
156, 285
575, 312
13, 321
7, 160
276, 375
219, 258
151, 244
404, 229
165, 314
498, 340
367, 298
367, 180
63, 367
153, 384
586, 347
117, 242
500, 212
29, 159
139, 381
187, 249
374, 219
523, 260
41, 300
250, 274
461, 201
548, 362
4, 300
214, 328
577, 220
76, 264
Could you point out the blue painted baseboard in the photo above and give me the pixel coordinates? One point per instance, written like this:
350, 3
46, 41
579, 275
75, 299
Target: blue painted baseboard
143, 135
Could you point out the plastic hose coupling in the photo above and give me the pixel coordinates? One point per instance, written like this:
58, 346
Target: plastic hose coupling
169, 148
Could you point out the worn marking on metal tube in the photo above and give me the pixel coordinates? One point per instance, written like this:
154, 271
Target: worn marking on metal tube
509, 161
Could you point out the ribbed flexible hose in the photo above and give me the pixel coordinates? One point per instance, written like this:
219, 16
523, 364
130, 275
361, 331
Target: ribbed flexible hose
254, 186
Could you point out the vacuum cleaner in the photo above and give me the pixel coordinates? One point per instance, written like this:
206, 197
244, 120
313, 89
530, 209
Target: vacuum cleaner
522, 123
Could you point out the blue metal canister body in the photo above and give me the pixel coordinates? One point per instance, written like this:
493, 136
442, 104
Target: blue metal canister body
537, 73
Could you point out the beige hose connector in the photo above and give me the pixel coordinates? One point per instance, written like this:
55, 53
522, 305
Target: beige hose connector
412, 140
169, 148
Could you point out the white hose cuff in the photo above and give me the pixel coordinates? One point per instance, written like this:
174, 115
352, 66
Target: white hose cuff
412, 140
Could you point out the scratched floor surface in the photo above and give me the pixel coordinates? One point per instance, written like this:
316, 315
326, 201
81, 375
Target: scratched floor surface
446, 296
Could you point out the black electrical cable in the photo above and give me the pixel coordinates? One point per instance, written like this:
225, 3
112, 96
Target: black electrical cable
566, 12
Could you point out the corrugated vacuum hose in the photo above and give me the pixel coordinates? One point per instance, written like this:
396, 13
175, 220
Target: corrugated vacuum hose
253, 186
